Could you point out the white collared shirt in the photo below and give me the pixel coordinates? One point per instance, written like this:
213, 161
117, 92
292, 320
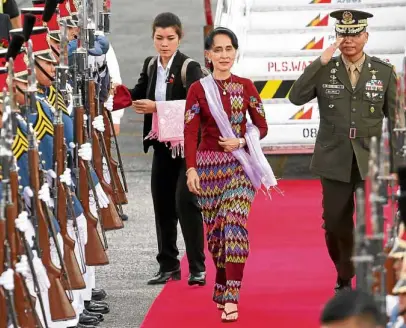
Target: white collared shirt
162, 76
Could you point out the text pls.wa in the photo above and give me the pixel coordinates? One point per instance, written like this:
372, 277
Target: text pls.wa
288, 66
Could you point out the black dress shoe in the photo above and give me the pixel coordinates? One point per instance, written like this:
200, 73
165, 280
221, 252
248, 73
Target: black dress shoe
97, 307
342, 286
98, 316
197, 279
79, 325
163, 277
88, 320
124, 217
98, 294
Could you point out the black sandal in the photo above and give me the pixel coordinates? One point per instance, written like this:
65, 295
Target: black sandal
225, 320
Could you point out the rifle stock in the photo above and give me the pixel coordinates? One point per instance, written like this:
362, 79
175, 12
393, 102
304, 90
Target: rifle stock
60, 306
25, 312
121, 196
111, 219
71, 262
3, 303
95, 253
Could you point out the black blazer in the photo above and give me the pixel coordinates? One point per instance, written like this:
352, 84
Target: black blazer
145, 88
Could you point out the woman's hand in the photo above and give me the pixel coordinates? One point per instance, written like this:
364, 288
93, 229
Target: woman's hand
144, 106
229, 144
113, 88
193, 182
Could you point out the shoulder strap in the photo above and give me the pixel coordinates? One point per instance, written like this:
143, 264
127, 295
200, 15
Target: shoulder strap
150, 64
184, 70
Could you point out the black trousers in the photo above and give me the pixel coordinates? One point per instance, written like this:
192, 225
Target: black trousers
172, 201
338, 211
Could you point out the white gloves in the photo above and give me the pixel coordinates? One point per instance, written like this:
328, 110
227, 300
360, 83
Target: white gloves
106, 173
26, 227
54, 252
44, 194
66, 177
7, 279
103, 200
27, 194
85, 151
23, 268
102, 197
98, 123
50, 175
109, 103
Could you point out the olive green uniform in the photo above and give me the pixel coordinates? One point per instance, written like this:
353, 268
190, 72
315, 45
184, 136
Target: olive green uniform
349, 117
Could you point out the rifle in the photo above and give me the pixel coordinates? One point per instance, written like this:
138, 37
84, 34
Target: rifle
94, 250
378, 235
113, 220
60, 306
25, 309
8, 243
362, 259
119, 198
3, 304
114, 166
115, 142
72, 265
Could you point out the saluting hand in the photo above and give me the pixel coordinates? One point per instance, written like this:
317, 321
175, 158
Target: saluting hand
329, 52
144, 106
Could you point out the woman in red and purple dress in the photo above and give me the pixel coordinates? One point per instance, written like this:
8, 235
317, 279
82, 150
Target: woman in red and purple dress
214, 173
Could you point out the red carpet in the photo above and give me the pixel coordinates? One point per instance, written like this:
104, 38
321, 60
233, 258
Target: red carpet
288, 275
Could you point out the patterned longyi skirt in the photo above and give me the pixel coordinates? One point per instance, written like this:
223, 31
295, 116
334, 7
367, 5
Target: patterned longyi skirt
226, 198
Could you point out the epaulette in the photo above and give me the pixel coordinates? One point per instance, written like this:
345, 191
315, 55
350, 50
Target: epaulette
378, 60
43, 124
61, 101
20, 144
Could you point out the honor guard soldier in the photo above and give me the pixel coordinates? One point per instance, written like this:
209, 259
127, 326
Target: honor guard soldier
354, 92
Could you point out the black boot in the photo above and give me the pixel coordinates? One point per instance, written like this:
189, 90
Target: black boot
88, 320
98, 316
163, 277
197, 279
97, 307
342, 285
98, 294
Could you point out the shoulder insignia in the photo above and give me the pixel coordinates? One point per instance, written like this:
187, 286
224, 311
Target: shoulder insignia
61, 102
378, 60
43, 125
20, 144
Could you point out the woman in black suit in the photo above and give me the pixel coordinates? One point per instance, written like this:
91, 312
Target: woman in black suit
160, 80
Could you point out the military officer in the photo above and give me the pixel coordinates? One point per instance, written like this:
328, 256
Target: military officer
354, 92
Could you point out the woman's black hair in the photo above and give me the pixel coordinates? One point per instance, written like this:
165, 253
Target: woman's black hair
165, 20
208, 44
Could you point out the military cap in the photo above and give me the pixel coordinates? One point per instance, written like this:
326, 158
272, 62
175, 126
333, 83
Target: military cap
40, 44
54, 30
73, 11
65, 14
36, 11
350, 22
20, 67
